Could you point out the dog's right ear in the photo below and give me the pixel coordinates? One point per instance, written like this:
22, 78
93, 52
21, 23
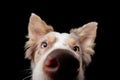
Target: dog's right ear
36, 28
86, 34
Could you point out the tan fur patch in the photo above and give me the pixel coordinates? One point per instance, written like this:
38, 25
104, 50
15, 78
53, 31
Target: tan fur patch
37, 27
37, 56
71, 41
50, 39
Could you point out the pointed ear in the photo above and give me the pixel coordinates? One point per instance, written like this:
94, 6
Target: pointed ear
36, 28
86, 35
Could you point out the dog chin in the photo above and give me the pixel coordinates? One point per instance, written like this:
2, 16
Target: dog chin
43, 77
37, 75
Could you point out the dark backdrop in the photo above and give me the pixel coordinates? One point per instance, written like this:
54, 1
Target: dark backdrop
62, 16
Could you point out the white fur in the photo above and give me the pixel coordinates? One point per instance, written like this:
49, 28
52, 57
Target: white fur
38, 73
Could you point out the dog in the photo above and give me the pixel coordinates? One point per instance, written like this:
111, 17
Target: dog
59, 56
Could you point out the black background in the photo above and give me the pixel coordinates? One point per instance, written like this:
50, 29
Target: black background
62, 16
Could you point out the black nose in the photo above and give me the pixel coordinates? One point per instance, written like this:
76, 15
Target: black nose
61, 64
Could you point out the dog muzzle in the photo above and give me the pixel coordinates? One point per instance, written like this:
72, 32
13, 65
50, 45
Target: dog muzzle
61, 64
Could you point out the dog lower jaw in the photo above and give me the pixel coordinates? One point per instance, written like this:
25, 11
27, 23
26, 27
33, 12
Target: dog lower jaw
38, 73
45, 77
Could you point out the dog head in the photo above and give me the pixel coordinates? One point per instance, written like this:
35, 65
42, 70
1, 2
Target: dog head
59, 56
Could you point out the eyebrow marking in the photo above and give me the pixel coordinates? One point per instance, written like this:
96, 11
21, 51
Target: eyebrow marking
71, 41
51, 38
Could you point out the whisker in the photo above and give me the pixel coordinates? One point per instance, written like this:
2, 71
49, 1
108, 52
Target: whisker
27, 77
29, 69
26, 74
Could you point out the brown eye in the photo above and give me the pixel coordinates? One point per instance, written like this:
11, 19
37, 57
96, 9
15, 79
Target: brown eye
44, 44
76, 48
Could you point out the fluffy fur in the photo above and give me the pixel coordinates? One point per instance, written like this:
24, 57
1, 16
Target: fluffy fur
39, 32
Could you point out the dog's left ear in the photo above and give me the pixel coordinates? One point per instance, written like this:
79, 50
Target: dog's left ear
86, 35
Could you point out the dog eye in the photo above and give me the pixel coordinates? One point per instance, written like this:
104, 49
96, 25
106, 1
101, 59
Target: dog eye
76, 48
44, 44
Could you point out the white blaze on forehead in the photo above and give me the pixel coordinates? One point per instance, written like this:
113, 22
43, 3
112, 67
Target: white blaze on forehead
60, 35
62, 40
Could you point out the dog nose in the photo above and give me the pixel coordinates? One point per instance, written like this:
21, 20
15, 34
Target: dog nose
51, 64
61, 64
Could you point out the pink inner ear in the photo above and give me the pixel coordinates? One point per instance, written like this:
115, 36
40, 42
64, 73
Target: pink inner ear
85, 42
37, 27
37, 34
